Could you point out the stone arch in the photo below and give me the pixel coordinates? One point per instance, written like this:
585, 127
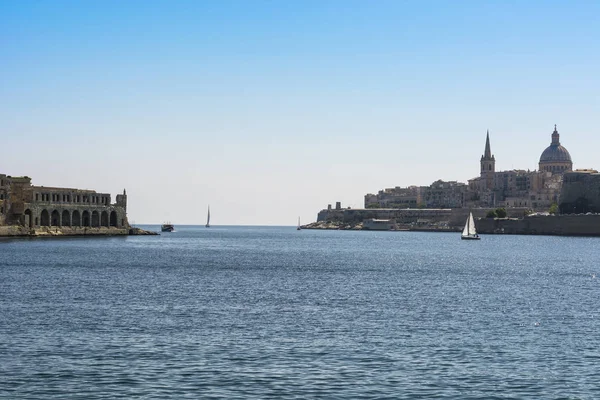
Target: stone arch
113, 218
66, 218
95, 219
85, 218
28, 218
45, 218
76, 218
104, 218
55, 218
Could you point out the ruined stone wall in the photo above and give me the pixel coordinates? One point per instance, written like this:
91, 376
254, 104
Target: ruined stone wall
75, 215
22, 204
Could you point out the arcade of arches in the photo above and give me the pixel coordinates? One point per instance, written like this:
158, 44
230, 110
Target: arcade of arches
66, 218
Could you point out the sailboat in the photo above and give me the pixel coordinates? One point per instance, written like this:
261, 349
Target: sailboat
298, 228
208, 218
469, 233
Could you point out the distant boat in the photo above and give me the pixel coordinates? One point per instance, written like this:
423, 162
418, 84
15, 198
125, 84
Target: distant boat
167, 227
208, 218
298, 228
469, 233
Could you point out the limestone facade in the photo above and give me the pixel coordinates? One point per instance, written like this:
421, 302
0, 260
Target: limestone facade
580, 193
32, 206
397, 197
536, 190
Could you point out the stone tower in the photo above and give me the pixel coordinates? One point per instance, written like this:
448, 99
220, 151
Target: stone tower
488, 166
122, 200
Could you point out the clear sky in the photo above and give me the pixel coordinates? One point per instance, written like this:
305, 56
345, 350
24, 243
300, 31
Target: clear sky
270, 110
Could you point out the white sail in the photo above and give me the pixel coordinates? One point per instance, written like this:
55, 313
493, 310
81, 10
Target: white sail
469, 230
465, 231
472, 230
208, 218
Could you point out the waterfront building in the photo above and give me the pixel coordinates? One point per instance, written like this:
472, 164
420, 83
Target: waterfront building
445, 194
536, 190
397, 197
24, 204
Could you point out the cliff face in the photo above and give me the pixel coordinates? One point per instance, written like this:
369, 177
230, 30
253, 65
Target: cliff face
580, 192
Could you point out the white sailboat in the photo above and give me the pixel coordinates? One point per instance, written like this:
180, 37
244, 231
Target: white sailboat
208, 218
469, 233
298, 228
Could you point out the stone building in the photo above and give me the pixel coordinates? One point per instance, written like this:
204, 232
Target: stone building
445, 194
397, 197
536, 190
24, 204
580, 192
520, 188
555, 159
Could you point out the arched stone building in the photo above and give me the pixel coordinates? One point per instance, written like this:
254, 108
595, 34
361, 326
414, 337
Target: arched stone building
37, 206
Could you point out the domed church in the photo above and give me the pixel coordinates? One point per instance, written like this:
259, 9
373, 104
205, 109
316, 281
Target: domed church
555, 159
520, 188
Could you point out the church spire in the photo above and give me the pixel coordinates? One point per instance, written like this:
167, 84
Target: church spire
488, 152
488, 165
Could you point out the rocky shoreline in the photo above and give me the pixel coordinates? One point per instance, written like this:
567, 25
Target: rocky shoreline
55, 231
341, 226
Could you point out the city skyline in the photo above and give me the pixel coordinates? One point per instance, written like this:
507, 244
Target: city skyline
269, 112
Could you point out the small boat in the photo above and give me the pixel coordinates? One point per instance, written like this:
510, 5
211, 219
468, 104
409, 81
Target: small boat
167, 227
298, 228
208, 218
469, 233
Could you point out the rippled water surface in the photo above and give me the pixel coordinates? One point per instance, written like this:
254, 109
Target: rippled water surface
241, 312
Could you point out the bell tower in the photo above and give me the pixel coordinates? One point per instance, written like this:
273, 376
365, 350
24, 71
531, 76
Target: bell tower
488, 165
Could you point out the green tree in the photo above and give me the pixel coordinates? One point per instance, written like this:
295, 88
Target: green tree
501, 212
491, 214
553, 208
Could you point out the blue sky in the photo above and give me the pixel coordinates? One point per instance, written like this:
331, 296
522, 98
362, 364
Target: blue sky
268, 110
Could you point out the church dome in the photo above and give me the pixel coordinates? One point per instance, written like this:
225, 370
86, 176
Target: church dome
555, 158
555, 153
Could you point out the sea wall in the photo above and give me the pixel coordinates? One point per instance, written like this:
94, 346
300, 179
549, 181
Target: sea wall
564, 225
14, 231
409, 218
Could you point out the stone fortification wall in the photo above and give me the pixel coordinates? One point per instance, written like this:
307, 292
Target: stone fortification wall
567, 225
455, 217
580, 192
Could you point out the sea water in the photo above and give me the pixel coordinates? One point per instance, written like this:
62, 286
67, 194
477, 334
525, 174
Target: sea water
272, 312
